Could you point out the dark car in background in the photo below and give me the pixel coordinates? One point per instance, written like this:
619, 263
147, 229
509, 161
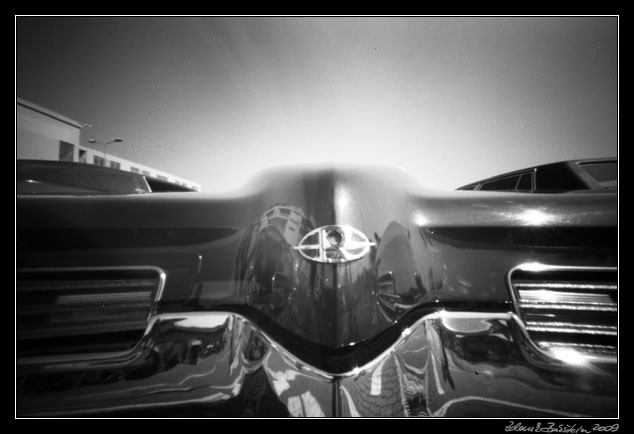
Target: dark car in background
563, 176
68, 178
318, 292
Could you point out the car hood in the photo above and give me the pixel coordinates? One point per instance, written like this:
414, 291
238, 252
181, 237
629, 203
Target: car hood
238, 251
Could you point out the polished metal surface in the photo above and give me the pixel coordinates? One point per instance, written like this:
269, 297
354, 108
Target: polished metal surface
567, 306
190, 364
334, 244
544, 297
421, 324
445, 364
70, 270
466, 364
61, 305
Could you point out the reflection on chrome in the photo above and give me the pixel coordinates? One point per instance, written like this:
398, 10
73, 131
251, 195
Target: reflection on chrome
568, 308
334, 244
478, 400
533, 266
419, 219
569, 356
201, 321
445, 364
350, 409
281, 380
304, 405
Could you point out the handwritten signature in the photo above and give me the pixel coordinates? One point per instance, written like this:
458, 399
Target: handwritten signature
552, 427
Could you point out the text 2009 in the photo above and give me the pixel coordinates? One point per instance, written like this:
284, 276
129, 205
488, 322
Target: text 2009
605, 428
551, 427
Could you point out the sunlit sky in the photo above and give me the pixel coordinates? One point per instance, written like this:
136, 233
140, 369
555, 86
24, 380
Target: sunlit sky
214, 99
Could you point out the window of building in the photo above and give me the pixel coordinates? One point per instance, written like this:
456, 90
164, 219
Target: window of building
115, 165
162, 178
82, 156
98, 161
134, 169
146, 173
504, 184
66, 151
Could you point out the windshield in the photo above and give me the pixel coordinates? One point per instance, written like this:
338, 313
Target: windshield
605, 173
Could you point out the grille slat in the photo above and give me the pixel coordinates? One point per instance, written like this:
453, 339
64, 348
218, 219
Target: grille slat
99, 283
565, 286
568, 307
72, 311
540, 296
80, 330
555, 327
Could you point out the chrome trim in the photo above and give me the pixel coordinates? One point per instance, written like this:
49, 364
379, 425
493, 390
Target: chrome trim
555, 324
571, 330
434, 368
570, 306
545, 296
199, 262
347, 249
608, 350
83, 298
159, 270
121, 357
537, 266
547, 285
289, 356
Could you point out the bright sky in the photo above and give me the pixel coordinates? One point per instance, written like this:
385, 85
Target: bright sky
213, 99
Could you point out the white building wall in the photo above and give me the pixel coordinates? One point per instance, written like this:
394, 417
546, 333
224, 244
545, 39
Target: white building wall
128, 166
40, 133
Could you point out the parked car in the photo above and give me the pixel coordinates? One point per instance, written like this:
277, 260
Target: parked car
317, 292
62, 177
564, 176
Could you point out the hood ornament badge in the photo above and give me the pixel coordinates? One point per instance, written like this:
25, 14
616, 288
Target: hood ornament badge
334, 244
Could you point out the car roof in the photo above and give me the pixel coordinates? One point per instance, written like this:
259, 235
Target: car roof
528, 169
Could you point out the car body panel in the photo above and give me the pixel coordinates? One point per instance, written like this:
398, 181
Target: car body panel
323, 334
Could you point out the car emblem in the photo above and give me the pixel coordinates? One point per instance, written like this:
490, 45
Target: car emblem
334, 244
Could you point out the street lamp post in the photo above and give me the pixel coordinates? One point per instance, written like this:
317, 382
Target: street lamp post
117, 140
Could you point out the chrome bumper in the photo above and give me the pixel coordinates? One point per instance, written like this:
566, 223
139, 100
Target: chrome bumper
457, 364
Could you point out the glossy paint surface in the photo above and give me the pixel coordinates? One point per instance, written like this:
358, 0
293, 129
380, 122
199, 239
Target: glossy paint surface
236, 254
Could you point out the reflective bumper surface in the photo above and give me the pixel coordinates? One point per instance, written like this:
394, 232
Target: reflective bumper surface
456, 364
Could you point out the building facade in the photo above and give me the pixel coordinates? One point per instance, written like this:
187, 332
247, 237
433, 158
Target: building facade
42, 134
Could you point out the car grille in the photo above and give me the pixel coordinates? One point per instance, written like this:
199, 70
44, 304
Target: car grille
567, 307
84, 310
